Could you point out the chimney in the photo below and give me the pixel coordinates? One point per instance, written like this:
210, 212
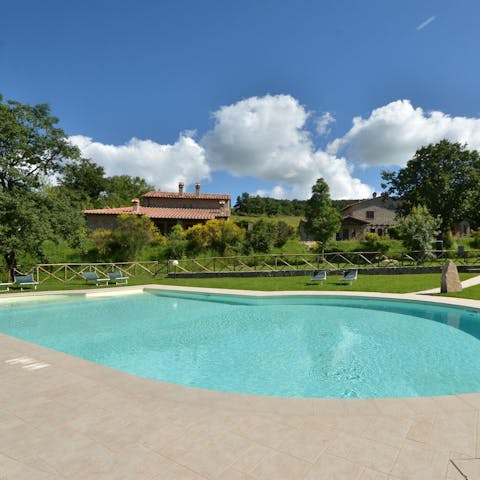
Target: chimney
135, 205
197, 189
180, 188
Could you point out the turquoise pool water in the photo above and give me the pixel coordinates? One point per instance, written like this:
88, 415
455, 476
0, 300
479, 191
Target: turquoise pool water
282, 346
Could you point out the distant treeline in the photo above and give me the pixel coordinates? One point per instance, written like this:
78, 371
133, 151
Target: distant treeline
256, 205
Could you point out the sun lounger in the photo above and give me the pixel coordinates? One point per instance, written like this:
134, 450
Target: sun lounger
349, 276
5, 286
118, 277
93, 277
319, 276
24, 281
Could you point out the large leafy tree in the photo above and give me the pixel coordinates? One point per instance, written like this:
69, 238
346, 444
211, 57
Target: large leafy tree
444, 177
418, 229
322, 219
84, 181
125, 242
32, 148
121, 189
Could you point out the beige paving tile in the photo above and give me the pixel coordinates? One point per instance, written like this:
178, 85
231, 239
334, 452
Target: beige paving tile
423, 405
355, 424
421, 429
472, 399
20, 440
453, 404
213, 458
281, 467
158, 437
232, 474
10, 468
365, 452
456, 431
307, 443
173, 471
417, 460
369, 474
459, 469
270, 434
331, 467
387, 429
394, 407
251, 457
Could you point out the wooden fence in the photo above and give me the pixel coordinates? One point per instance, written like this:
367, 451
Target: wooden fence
68, 272
328, 261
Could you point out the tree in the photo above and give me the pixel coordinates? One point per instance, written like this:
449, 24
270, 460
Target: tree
221, 236
85, 181
322, 219
444, 177
418, 229
284, 232
176, 243
32, 148
262, 236
131, 234
121, 189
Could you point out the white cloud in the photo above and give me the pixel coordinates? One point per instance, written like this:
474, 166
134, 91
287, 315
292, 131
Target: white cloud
265, 137
161, 165
392, 134
428, 21
323, 122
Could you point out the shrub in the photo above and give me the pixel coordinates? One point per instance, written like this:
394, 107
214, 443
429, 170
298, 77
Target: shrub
372, 243
475, 241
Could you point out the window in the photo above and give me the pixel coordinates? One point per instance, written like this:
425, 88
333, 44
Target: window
370, 215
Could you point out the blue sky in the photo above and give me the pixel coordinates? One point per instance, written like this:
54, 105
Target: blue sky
256, 96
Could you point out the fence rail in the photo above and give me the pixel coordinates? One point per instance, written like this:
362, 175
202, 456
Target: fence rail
328, 261
69, 272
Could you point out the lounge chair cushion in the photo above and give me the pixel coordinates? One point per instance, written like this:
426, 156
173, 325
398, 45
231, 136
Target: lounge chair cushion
319, 276
93, 277
25, 281
119, 277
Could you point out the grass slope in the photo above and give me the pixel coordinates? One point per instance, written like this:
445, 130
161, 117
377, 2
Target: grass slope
365, 283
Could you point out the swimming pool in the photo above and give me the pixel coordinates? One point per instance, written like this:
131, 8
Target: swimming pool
294, 346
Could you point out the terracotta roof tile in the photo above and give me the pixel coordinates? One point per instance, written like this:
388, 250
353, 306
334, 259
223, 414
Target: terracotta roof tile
205, 196
161, 212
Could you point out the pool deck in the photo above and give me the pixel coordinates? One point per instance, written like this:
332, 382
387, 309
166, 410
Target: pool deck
62, 417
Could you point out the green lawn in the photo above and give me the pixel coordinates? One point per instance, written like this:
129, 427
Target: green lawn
472, 293
365, 283
290, 219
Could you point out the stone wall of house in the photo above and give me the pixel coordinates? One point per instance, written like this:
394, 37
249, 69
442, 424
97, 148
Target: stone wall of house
186, 202
100, 222
383, 211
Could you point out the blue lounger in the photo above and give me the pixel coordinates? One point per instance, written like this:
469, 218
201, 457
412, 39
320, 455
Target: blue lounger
25, 281
93, 277
118, 277
319, 276
349, 276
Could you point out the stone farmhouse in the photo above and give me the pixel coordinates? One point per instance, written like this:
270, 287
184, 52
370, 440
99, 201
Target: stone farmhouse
374, 215
166, 209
